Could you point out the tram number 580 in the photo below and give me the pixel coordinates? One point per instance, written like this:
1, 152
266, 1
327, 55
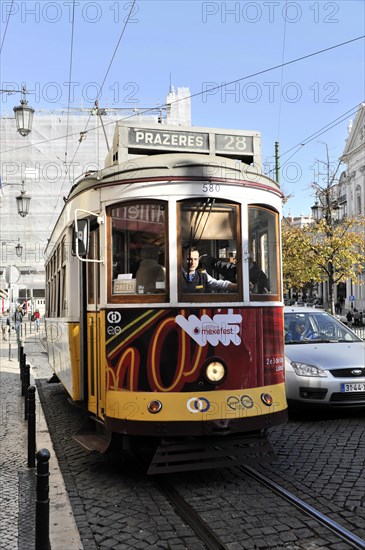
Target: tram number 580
211, 188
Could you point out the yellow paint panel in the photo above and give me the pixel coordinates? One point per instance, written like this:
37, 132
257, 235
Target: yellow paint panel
102, 363
74, 348
96, 362
186, 406
92, 362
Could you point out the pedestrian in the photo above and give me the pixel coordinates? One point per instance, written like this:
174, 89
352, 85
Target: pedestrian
36, 317
357, 318
349, 317
18, 318
195, 280
4, 324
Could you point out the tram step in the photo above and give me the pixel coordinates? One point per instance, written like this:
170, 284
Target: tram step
92, 437
178, 456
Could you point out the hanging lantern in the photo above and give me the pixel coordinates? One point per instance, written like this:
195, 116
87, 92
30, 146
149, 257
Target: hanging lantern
23, 116
23, 202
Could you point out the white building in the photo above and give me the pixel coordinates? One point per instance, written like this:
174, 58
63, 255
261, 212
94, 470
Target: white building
353, 184
61, 146
298, 221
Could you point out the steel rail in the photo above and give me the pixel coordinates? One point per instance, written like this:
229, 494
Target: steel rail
190, 517
335, 527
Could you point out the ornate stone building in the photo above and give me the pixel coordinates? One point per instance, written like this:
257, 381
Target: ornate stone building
353, 184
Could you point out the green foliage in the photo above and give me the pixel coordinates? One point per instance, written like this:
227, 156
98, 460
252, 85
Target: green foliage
323, 251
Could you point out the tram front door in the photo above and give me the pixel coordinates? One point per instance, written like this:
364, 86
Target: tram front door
93, 321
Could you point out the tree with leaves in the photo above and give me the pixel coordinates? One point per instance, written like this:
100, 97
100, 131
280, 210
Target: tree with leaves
322, 251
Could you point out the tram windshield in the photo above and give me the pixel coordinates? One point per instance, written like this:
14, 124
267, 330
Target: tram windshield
213, 258
208, 237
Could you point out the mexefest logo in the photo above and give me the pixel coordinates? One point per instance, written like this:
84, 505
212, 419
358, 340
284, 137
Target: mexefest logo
222, 328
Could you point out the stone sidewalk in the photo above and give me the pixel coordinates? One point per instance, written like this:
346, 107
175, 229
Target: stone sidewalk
17, 481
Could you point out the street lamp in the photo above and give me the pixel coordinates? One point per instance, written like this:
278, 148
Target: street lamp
23, 113
331, 210
22, 200
18, 249
317, 210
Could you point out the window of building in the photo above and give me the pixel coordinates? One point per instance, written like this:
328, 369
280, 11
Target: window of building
358, 200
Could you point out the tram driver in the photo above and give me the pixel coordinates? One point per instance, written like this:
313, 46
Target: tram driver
196, 281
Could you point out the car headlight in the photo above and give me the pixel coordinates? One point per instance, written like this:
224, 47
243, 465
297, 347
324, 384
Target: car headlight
303, 369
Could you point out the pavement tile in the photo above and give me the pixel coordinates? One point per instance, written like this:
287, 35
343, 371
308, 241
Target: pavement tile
17, 481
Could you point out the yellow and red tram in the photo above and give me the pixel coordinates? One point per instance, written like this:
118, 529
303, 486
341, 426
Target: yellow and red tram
145, 354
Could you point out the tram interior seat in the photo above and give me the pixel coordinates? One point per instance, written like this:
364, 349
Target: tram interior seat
150, 271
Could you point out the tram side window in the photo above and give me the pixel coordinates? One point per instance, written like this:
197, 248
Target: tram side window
263, 253
138, 248
209, 244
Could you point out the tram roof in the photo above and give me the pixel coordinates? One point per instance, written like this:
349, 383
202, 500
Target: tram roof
172, 165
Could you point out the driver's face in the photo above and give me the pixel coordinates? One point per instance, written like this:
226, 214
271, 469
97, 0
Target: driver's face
192, 261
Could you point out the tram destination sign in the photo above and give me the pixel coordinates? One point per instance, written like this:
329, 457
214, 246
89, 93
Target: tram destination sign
235, 145
132, 140
141, 138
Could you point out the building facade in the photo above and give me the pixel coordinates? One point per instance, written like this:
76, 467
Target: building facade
353, 188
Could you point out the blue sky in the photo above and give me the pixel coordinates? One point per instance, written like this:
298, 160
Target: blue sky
200, 45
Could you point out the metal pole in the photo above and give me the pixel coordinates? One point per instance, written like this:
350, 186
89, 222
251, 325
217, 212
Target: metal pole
277, 163
10, 296
42, 502
22, 367
26, 384
21, 350
31, 427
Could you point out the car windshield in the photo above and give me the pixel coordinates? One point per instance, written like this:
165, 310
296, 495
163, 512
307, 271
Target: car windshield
305, 327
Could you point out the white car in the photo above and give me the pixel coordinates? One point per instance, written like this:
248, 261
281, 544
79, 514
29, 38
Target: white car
324, 360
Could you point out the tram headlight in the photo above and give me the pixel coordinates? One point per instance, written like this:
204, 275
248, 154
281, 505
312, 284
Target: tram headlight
154, 407
215, 372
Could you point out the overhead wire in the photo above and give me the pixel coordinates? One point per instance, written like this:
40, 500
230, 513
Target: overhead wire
6, 25
68, 108
105, 77
282, 73
316, 134
70, 80
144, 111
307, 56
97, 97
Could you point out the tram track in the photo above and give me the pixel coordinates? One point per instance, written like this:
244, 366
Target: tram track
202, 530
339, 530
207, 534
215, 509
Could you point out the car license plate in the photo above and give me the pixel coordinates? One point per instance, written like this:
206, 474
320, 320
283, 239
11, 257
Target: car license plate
352, 387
